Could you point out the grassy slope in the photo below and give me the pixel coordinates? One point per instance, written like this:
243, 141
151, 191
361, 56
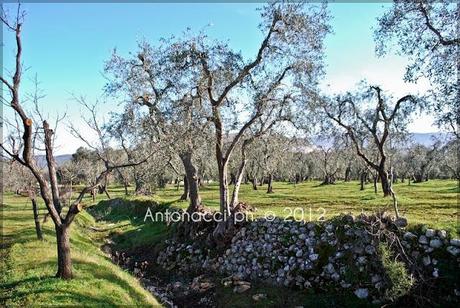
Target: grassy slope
434, 203
28, 265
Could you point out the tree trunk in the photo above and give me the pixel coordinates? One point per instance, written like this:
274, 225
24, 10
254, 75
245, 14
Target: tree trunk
254, 183
192, 181
238, 180
385, 182
270, 184
347, 174
362, 180
185, 193
223, 189
125, 183
93, 194
38, 229
63, 252
375, 184
418, 177
262, 181
232, 179
106, 192
328, 179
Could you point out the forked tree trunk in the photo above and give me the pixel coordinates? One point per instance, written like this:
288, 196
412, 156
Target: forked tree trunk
63, 252
270, 184
38, 229
192, 181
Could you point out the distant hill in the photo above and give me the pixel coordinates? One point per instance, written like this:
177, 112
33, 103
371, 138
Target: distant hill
428, 139
60, 159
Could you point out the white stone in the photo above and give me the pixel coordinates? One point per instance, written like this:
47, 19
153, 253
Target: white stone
314, 257
370, 250
362, 293
426, 260
423, 240
401, 222
453, 250
442, 234
455, 242
409, 236
435, 243
362, 260
430, 233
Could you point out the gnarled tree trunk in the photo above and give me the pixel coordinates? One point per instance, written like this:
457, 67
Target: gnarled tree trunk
185, 193
192, 181
385, 183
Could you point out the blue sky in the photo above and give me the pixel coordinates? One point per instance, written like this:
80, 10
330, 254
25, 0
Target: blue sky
66, 46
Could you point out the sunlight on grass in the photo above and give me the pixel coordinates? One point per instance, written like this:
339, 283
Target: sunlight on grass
28, 266
434, 203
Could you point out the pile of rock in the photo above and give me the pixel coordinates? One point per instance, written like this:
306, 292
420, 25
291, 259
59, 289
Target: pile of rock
342, 253
424, 246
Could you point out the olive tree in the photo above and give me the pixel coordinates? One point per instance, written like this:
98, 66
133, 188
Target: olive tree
290, 50
369, 119
426, 31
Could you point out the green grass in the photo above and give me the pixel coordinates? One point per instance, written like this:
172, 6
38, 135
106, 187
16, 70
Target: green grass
433, 203
28, 265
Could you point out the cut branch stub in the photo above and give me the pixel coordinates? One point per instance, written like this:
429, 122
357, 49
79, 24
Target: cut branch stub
28, 122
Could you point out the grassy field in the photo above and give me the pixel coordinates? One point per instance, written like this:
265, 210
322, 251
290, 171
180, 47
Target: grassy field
434, 203
28, 265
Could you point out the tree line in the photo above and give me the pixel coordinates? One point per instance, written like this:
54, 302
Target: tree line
197, 110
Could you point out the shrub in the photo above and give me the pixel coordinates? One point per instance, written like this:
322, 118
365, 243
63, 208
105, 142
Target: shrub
400, 281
